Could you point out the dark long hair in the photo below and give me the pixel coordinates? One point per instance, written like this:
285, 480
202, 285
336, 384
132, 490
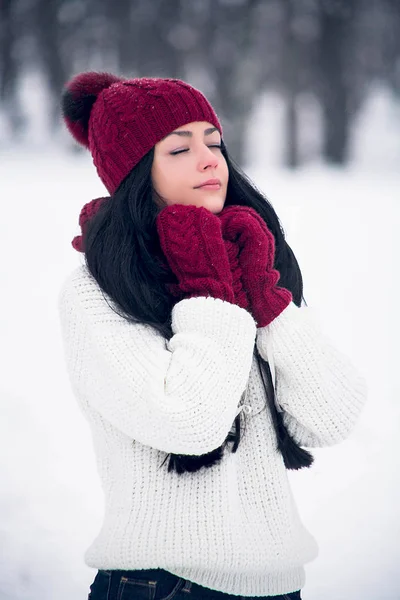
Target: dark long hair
123, 254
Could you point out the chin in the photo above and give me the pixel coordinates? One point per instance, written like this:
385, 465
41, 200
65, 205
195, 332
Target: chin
214, 205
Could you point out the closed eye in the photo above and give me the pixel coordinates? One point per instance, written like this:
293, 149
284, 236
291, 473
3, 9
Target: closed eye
179, 151
174, 152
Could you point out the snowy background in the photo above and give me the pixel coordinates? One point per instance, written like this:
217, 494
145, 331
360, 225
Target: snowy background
343, 226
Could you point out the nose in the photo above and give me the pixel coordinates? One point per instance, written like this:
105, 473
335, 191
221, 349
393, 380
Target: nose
208, 159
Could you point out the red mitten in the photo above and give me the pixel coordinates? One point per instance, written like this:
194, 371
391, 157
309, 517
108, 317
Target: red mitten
244, 227
239, 291
191, 240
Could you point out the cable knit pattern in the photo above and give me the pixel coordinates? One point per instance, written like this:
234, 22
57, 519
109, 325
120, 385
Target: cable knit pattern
235, 527
245, 227
191, 240
233, 256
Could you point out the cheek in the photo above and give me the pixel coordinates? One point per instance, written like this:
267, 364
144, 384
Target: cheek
224, 172
168, 181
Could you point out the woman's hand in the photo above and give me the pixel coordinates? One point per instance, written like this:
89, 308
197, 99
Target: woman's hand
191, 240
243, 227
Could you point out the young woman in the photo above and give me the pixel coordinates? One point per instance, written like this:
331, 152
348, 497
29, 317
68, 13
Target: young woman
202, 378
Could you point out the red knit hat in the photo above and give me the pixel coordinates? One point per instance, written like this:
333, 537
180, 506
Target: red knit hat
120, 120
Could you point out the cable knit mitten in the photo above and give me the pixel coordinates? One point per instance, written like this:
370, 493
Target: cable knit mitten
239, 291
244, 227
191, 240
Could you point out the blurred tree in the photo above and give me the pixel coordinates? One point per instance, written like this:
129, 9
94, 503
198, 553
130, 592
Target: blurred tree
336, 21
9, 66
234, 50
49, 44
120, 30
287, 41
290, 63
391, 46
163, 56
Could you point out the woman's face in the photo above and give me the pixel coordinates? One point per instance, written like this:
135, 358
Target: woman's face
185, 161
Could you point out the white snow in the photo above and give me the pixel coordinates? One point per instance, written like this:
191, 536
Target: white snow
343, 226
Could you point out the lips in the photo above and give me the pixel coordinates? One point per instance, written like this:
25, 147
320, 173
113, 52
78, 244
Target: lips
213, 184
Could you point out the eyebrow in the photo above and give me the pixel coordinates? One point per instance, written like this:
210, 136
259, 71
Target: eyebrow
208, 131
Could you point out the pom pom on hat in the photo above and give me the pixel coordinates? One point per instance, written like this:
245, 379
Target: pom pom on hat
79, 95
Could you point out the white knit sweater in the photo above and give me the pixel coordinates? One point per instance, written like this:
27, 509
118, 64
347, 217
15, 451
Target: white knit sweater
233, 527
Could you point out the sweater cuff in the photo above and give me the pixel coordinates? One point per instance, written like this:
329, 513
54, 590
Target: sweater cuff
214, 318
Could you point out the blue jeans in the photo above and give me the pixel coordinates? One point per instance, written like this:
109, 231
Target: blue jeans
157, 584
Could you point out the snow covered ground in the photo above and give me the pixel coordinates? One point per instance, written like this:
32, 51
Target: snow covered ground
343, 227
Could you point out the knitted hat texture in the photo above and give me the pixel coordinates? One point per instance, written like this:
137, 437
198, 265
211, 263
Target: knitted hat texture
120, 120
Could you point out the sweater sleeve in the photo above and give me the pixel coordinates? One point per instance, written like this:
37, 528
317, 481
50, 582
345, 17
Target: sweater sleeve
178, 395
317, 388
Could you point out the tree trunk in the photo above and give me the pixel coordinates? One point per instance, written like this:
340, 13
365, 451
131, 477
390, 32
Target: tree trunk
335, 23
290, 67
155, 27
50, 51
9, 68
